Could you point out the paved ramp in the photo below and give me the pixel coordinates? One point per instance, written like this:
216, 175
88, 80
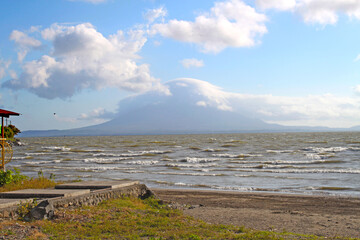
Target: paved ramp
6, 203
44, 193
94, 185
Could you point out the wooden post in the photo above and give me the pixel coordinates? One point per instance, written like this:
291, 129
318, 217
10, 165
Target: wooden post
2, 145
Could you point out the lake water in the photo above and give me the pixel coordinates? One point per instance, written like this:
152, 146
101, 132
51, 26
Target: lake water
305, 163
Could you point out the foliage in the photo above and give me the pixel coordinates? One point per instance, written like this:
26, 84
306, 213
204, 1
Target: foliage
18, 181
25, 208
7, 177
143, 219
11, 131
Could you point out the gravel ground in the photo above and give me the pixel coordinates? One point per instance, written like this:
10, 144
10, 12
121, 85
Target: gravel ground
317, 215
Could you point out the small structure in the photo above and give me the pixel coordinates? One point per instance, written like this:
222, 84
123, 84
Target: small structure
6, 150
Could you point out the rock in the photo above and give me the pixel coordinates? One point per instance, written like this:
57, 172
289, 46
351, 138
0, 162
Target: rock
44, 210
145, 192
17, 143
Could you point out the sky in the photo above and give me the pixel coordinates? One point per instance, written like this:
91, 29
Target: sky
69, 63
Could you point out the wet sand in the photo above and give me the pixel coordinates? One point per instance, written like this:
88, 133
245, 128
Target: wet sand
326, 216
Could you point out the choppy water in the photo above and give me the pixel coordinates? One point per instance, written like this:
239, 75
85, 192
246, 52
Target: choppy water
307, 163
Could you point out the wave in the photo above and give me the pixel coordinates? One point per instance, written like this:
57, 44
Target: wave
228, 188
55, 148
184, 165
86, 151
302, 162
279, 151
134, 171
21, 158
242, 155
44, 153
190, 174
198, 160
133, 153
326, 150
315, 156
354, 148
35, 163
225, 155
145, 163
343, 171
103, 169
270, 176
214, 150
106, 160
333, 188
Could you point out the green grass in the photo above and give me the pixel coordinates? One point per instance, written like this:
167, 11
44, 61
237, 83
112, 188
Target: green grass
143, 219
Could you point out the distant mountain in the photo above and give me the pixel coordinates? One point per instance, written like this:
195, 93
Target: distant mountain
193, 106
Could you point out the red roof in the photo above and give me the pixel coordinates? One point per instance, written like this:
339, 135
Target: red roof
6, 113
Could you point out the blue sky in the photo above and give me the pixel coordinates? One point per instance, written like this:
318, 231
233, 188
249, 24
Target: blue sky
293, 62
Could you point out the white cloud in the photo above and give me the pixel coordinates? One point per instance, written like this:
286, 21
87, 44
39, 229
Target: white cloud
228, 24
23, 39
316, 11
192, 95
2, 72
321, 110
357, 89
201, 103
24, 43
201, 92
13, 74
357, 58
65, 119
281, 5
98, 114
4, 65
153, 14
192, 62
82, 58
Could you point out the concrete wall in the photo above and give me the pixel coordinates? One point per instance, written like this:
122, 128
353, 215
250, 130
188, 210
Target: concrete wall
94, 198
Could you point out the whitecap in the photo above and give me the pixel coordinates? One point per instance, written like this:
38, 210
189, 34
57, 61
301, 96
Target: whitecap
189, 174
279, 151
188, 165
225, 155
55, 148
199, 160
315, 156
325, 150
145, 163
106, 160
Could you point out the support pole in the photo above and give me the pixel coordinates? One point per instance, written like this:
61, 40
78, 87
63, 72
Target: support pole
2, 145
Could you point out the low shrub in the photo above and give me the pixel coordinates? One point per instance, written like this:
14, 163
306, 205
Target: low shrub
9, 176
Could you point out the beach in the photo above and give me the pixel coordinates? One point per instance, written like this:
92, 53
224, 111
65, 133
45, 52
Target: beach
327, 216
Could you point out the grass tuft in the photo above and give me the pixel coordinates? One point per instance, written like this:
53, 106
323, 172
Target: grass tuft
34, 183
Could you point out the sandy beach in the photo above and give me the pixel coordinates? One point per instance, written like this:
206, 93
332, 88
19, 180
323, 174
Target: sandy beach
326, 216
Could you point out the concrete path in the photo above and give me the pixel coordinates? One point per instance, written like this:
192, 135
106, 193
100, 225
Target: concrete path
43, 193
96, 185
13, 198
6, 203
